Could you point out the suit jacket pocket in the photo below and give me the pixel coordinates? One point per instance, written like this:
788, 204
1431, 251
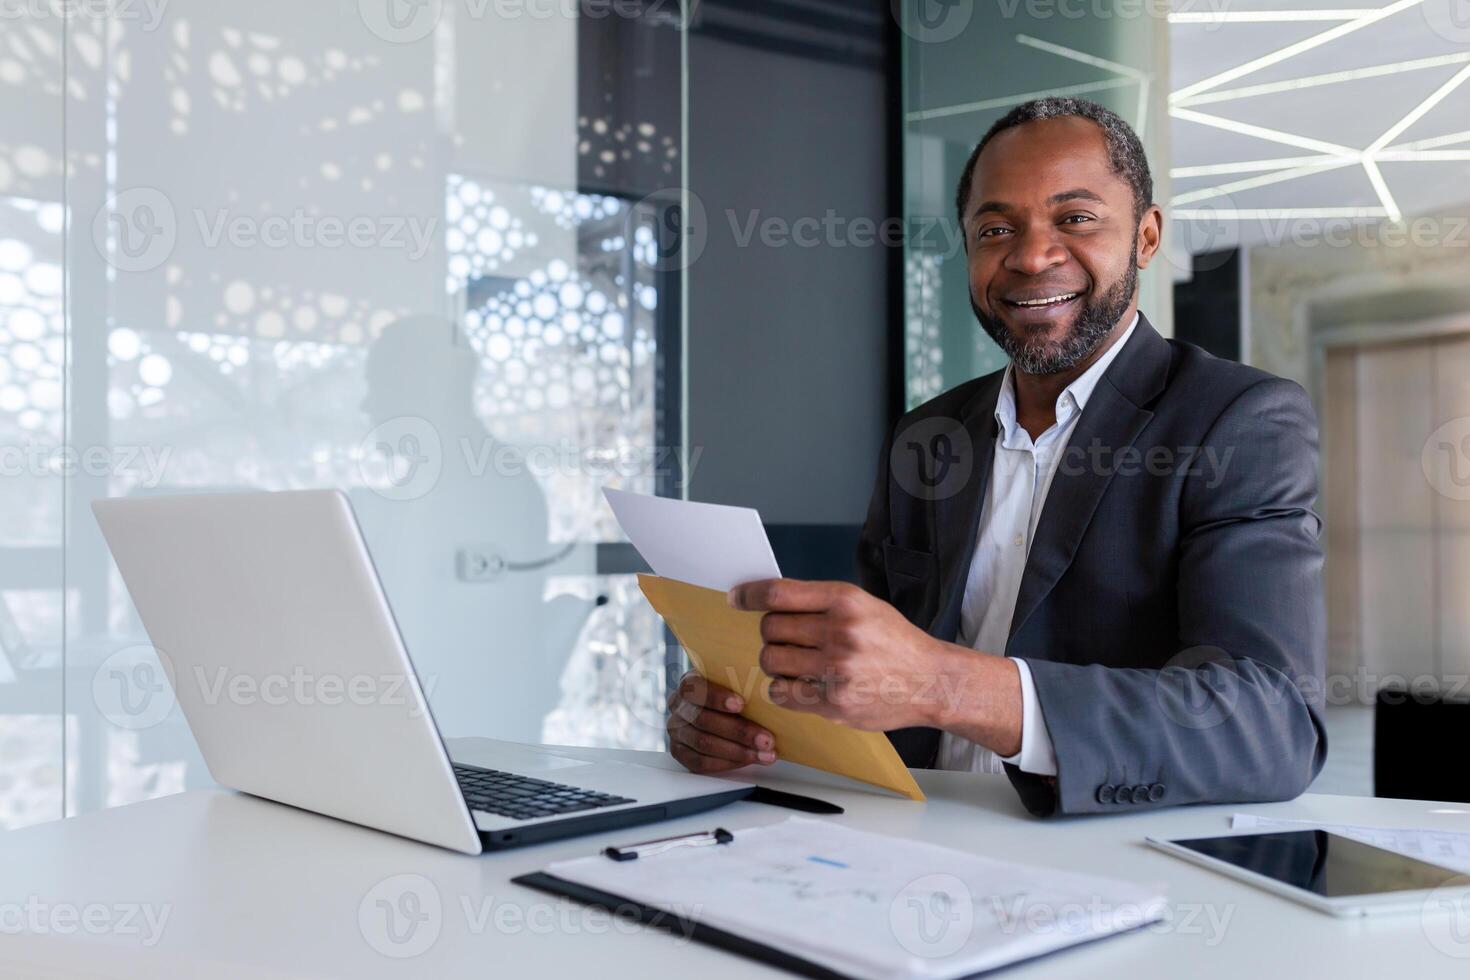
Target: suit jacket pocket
913, 581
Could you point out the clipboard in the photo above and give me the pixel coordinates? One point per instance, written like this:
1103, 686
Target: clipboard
670, 921
767, 891
717, 938
678, 925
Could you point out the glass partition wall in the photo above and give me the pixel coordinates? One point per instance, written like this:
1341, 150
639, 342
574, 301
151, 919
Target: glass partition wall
32, 391
425, 253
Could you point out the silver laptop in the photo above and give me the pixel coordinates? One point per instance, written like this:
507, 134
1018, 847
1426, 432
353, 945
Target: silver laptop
289, 668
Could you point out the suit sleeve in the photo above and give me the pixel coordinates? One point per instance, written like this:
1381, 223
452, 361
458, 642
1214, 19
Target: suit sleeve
870, 569
1235, 714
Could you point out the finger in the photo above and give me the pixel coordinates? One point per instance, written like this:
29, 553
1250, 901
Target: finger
707, 743
786, 595
694, 762
796, 629
735, 728
701, 693
802, 695
779, 660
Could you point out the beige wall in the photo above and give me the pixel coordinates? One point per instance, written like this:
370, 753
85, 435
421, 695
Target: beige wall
1378, 331
1306, 284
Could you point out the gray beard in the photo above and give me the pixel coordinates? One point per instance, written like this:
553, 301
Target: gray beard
1099, 316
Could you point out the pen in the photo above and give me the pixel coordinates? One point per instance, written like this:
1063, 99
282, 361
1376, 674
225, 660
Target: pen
630, 852
791, 801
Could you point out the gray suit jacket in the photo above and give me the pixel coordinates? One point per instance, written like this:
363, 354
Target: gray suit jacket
1171, 609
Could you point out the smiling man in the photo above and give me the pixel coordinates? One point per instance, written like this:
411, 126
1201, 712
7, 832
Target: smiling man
1096, 570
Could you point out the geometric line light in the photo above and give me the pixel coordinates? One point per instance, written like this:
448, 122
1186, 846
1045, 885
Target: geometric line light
1262, 16
1327, 78
1332, 155
1262, 214
1276, 177
1275, 57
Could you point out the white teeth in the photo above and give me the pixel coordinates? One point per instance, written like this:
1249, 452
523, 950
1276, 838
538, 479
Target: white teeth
1050, 300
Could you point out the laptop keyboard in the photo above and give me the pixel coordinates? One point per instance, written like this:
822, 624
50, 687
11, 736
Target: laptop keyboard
524, 798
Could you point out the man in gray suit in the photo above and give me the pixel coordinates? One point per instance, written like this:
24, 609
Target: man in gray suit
1096, 570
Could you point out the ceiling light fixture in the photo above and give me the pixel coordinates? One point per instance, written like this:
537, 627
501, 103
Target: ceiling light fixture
1316, 40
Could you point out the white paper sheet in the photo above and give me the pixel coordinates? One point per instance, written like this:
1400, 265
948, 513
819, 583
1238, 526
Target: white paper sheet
1442, 847
708, 545
872, 906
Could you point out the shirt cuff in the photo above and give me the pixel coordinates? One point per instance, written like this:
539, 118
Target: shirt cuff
1037, 756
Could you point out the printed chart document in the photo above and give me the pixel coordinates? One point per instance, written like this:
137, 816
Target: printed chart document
1445, 848
699, 552
872, 906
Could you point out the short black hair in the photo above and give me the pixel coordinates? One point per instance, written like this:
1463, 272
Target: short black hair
1125, 149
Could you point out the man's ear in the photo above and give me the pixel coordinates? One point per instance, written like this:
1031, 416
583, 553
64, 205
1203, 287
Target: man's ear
1150, 234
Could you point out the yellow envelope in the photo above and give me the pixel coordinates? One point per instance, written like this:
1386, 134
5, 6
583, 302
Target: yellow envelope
725, 644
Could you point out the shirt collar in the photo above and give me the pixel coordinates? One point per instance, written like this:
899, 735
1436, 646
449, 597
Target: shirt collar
1073, 398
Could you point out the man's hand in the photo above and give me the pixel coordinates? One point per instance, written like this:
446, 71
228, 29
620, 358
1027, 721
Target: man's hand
706, 732
838, 652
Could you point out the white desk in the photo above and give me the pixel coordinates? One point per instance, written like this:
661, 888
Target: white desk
253, 889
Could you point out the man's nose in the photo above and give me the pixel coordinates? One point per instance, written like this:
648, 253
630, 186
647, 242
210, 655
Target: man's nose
1033, 252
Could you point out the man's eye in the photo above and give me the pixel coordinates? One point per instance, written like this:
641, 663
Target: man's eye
991, 232
1076, 218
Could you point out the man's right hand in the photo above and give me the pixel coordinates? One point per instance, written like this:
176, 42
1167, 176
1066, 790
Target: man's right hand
706, 732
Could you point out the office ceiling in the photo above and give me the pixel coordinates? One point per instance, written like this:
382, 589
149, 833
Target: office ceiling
1327, 109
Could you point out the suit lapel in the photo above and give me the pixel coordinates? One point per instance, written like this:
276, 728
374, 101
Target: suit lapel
956, 518
1111, 422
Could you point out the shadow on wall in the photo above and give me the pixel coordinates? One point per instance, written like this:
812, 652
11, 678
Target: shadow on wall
457, 525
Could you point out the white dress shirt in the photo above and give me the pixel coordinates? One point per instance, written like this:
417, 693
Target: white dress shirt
1019, 480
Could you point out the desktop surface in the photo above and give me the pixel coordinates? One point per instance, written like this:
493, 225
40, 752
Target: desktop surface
256, 889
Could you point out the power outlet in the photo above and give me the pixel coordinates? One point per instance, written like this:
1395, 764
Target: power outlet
479, 564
